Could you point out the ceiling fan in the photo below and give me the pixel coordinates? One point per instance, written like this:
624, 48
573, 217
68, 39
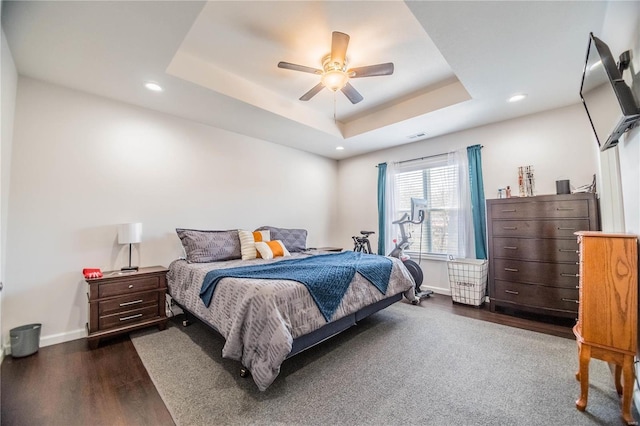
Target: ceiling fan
334, 72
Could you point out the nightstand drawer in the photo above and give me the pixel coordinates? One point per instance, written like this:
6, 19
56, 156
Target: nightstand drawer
127, 318
130, 285
538, 296
129, 302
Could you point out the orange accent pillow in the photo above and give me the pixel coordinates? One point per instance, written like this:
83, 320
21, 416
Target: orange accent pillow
271, 249
247, 242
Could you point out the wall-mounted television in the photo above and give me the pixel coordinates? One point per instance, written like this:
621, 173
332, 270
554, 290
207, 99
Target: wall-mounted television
607, 99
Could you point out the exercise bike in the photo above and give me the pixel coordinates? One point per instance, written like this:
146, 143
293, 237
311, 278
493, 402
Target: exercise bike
362, 244
413, 268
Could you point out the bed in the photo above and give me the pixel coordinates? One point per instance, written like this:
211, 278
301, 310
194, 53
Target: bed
266, 321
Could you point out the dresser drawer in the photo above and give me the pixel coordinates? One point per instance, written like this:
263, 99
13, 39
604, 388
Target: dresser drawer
539, 228
124, 319
536, 295
131, 285
545, 250
550, 274
129, 302
540, 209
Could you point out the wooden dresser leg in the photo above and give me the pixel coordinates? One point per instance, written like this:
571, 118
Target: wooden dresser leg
627, 390
616, 378
584, 358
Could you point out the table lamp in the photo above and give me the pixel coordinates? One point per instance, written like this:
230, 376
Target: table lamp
130, 233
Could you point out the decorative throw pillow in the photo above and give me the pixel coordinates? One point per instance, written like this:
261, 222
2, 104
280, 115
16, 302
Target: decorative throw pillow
295, 240
209, 246
271, 249
248, 240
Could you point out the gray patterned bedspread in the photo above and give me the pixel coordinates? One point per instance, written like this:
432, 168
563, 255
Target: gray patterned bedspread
260, 318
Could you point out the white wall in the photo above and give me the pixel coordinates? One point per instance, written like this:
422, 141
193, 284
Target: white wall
82, 164
557, 143
8, 87
621, 31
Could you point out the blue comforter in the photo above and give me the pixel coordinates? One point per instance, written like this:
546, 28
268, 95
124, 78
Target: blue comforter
327, 276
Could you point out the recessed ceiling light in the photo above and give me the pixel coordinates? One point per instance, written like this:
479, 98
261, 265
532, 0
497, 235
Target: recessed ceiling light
153, 86
339, 148
518, 97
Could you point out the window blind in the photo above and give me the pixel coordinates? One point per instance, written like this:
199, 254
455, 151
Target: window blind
436, 181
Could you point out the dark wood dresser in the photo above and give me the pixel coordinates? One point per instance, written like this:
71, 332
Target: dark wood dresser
120, 302
533, 253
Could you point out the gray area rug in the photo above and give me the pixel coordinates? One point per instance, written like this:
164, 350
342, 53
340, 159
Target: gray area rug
404, 365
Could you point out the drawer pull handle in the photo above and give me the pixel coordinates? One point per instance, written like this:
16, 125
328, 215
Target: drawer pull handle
131, 303
569, 275
511, 269
510, 228
560, 228
569, 300
512, 292
510, 248
130, 285
568, 251
564, 208
509, 211
130, 317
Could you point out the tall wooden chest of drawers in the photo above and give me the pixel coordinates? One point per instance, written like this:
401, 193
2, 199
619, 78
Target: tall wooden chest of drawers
607, 326
533, 253
120, 302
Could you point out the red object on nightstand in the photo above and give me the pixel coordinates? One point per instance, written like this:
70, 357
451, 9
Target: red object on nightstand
90, 273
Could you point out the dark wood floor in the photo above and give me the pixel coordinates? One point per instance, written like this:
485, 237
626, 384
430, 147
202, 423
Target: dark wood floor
68, 384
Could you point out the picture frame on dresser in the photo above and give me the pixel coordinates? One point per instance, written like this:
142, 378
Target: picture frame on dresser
533, 252
123, 301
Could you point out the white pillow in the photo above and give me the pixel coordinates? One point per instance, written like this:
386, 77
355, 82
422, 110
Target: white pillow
247, 242
271, 249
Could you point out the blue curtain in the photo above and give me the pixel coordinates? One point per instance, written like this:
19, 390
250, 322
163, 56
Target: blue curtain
382, 183
477, 200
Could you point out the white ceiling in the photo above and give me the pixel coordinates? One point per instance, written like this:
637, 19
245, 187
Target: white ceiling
456, 63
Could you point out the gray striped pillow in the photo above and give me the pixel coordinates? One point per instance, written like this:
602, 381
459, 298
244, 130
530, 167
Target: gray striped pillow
209, 246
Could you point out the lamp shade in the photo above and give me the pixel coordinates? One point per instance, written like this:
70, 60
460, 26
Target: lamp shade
130, 233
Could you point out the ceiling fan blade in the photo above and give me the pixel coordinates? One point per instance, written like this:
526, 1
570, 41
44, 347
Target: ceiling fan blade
311, 93
351, 93
295, 67
371, 70
339, 43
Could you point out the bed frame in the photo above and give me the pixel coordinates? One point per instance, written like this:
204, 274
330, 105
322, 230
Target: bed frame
318, 336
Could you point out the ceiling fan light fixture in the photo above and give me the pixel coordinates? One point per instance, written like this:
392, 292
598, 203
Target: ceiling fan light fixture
334, 80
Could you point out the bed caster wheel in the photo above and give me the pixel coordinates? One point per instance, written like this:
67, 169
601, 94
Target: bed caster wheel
186, 323
244, 372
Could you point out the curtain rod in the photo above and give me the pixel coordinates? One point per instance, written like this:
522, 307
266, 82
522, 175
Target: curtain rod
424, 158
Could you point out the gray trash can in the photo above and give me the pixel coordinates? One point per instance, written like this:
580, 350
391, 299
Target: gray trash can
25, 340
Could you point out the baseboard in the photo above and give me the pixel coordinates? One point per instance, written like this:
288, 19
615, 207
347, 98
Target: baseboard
437, 290
636, 391
52, 339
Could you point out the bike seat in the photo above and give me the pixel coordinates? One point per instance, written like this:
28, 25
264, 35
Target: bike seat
367, 233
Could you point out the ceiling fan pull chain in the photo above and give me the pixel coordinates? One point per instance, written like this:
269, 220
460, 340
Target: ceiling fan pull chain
334, 108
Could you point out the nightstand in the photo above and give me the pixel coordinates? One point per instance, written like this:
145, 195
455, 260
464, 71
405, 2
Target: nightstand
120, 302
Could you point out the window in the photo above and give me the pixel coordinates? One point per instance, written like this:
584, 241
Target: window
436, 180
